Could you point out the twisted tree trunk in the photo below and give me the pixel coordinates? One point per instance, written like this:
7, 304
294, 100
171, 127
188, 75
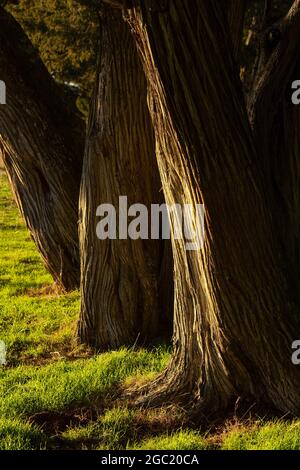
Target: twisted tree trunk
126, 285
235, 319
41, 141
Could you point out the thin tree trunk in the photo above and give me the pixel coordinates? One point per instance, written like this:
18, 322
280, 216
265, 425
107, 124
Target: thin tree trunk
42, 145
234, 321
126, 285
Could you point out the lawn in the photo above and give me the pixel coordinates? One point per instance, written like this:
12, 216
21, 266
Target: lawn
57, 395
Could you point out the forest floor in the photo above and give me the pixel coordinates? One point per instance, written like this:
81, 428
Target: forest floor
57, 395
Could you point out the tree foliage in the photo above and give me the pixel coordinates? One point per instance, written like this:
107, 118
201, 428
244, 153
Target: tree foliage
65, 32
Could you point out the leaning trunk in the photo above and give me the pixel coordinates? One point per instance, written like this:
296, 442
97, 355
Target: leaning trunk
234, 319
41, 141
126, 285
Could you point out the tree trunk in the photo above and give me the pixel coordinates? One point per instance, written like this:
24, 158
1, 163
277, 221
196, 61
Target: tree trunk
276, 124
234, 318
41, 140
236, 17
126, 285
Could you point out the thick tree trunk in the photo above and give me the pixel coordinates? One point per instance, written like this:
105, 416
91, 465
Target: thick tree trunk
42, 145
276, 124
126, 285
234, 320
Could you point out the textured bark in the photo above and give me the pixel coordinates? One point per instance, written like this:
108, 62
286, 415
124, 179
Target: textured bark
236, 17
276, 124
126, 285
42, 145
234, 318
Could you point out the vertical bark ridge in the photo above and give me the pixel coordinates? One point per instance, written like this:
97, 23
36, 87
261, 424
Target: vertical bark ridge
275, 123
236, 17
122, 300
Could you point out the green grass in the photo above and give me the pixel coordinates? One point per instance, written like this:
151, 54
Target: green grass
112, 431
43, 374
18, 435
180, 440
32, 327
26, 390
277, 435
56, 395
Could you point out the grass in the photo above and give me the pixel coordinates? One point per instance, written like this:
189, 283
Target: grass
26, 390
56, 395
32, 326
277, 435
180, 440
114, 430
18, 435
